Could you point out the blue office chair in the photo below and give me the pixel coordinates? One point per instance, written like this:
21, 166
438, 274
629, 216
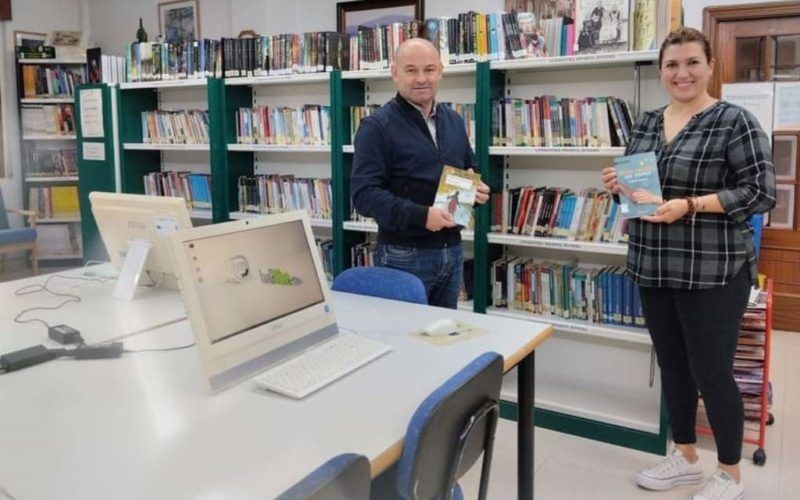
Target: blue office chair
17, 239
382, 282
450, 430
344, 477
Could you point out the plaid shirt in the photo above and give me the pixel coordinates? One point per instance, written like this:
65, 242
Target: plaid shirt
721, 150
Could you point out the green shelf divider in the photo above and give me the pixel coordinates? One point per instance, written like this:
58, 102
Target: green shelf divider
94, 175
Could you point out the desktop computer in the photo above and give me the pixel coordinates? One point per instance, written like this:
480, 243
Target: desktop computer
134, 229
257, 299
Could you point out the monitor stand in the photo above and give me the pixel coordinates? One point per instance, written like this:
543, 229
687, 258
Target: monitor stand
132, 269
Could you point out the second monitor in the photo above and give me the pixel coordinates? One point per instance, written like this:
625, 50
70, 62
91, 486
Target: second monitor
135, 230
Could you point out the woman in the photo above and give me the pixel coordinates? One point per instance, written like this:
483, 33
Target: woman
694, 258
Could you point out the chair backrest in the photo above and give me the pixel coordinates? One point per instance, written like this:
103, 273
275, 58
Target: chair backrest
449, 431
344, 477
3, 214
382, 282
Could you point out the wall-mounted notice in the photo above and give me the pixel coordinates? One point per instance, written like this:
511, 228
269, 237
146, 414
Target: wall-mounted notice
94, 151
754, 97
787, 106
91, 101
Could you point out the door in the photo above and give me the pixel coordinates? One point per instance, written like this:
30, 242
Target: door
755, 43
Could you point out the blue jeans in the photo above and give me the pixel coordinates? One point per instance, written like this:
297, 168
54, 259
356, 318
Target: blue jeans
440, 269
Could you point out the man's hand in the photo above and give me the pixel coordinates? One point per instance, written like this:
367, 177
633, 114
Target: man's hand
669, 212
482, 196
438, 219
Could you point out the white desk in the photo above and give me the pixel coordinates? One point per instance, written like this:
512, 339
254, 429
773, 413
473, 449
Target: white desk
99, 317
146, 425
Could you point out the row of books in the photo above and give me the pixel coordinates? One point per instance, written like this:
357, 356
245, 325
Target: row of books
54, 202
361, 254
567, 290
573, 28
49, 119
465, 110
147, 61
265, 55
358, 113
582, 27
103, 68
307, 124
547, 30
192, 187
325, 249
51, 81
550, 121
50, 162
590, 215
269, 194
175, 127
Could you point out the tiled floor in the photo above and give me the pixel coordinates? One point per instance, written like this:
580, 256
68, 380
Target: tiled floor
570, 468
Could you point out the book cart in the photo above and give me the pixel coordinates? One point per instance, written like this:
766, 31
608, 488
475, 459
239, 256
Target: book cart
751, 371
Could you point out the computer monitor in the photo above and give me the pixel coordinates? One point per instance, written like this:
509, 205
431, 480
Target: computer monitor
131, 225
255, 293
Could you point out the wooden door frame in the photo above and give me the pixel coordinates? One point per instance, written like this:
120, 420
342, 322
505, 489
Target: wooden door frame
713, 16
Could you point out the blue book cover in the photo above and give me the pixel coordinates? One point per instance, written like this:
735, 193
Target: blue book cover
639, 186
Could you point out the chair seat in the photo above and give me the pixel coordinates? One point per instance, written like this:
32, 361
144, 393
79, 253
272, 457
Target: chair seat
17, 235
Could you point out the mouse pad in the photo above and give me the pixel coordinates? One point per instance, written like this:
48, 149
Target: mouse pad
463, 332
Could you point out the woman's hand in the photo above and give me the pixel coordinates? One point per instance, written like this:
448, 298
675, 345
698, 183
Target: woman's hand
669, 212
609, 178
643, 196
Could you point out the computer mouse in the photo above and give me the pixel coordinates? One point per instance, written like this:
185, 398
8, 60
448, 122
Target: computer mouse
439, 327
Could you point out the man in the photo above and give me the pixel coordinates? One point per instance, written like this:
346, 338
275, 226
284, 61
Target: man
399, 154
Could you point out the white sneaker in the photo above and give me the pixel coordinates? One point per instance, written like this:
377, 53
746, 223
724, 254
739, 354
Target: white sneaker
721, 486
671, 471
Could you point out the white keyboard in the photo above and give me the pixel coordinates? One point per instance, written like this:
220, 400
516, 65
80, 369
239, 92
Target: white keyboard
317, 367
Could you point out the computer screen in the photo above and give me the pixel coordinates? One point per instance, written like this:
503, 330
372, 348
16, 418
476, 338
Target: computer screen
122, 218
255, 293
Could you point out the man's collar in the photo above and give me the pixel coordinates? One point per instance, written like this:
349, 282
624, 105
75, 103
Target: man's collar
418, 108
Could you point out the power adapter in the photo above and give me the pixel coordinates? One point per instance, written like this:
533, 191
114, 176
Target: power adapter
64, 334
28, 357
98, 351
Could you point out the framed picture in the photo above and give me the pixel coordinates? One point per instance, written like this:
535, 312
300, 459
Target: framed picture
785, 157
782, 216
63, 37
28, 38
179, 21
351, 15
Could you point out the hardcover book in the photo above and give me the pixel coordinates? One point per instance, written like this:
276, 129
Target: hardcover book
456, 194
639, 185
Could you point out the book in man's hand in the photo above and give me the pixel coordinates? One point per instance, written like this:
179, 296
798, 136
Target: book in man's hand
639, 185
456, 194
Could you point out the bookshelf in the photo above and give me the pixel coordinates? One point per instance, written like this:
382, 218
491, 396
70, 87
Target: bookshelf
46, 97
140, 156
304, 161
593, 379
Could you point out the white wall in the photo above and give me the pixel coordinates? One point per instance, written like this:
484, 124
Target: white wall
114, 22
28, 15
